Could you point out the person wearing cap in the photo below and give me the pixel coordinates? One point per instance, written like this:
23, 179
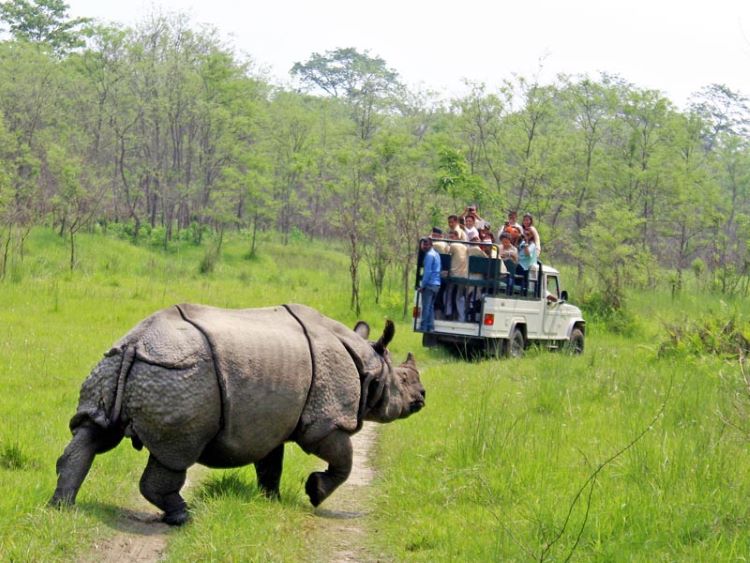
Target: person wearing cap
437, 240
485, 232
430, 284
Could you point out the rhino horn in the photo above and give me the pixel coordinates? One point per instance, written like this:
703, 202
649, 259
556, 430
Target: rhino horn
385, 339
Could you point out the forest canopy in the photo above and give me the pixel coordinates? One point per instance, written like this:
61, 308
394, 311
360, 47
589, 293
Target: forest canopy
163, 131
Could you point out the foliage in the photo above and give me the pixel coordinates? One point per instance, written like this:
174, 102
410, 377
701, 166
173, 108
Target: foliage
163, 126
610, 248
488, 471
726, 335
504, 451
43, 21
598, 309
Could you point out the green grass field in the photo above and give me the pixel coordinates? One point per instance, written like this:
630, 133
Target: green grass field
510, 460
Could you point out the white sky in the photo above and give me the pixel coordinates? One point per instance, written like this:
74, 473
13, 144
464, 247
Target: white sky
676, 46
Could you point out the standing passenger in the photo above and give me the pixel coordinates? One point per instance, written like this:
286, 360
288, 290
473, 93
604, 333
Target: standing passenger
454, 225
485, 232
430, 284
437, 240
470, 227
528, 225
455, 299
527, 254
509, 256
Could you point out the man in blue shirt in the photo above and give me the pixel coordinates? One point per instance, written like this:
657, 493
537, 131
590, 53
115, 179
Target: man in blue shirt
430, 284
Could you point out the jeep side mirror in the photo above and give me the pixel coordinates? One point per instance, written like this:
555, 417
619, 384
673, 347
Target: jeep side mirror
563, 296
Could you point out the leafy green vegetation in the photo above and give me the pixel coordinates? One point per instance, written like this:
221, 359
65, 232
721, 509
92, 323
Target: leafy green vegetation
164, 133
615, 455
510, 460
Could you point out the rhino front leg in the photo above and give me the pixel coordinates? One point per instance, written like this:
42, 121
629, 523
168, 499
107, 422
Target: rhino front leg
269, 470
74, 464
161, 487
336, 449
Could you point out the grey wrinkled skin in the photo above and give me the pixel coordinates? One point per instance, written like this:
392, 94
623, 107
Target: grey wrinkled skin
228, 387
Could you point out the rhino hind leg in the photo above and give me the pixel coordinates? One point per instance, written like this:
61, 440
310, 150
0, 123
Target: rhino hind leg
336, 449
269, 470
74, 464
161, 487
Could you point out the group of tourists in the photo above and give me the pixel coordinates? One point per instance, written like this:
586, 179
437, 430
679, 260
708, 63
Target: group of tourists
517, 245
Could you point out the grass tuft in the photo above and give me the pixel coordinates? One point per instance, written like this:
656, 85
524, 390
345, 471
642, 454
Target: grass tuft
14, 458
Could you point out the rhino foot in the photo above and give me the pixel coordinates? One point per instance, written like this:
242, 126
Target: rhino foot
176, 518
60, 501
314, 487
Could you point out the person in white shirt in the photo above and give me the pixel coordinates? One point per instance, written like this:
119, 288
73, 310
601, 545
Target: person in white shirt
470, 227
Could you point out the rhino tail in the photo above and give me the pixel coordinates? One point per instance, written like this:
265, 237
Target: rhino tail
127, 363
103, 391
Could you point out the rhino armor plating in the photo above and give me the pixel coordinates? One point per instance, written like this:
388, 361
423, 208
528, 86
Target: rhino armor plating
228, 387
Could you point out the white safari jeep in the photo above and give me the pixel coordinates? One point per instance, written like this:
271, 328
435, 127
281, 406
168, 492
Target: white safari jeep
491, 320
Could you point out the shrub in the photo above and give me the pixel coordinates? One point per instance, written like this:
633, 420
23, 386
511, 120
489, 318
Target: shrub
157, 236
616, 319
208, 262
726, 337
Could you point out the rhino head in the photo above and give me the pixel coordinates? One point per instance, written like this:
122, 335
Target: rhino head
393, 391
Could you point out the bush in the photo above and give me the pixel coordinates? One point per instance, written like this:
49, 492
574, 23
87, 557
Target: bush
597, 308
156, 238
208, 262
194, 233
726, 337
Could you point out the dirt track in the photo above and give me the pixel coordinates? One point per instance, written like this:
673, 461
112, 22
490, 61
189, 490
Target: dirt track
340, 528
338, 534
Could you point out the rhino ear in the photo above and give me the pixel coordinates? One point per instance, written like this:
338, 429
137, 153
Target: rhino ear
410, 361
363, 329
385, 339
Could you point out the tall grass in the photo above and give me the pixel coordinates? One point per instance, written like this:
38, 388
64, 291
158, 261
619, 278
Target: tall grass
55, 325
518, 460
510, 460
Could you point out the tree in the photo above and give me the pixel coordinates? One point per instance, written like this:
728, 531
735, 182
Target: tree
726, 111
609, 248
365, 82
43, 21
77, 197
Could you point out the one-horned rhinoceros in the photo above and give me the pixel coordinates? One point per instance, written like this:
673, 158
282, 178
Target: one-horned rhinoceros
225, 388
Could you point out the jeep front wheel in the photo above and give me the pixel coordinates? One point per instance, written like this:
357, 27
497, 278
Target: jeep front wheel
515, 345
575, 342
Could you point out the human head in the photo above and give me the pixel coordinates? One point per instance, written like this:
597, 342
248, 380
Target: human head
437, 233
471, 208
528, 220
469, 220
453, 221
512, 216
425, 243
453, 234
505, 238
